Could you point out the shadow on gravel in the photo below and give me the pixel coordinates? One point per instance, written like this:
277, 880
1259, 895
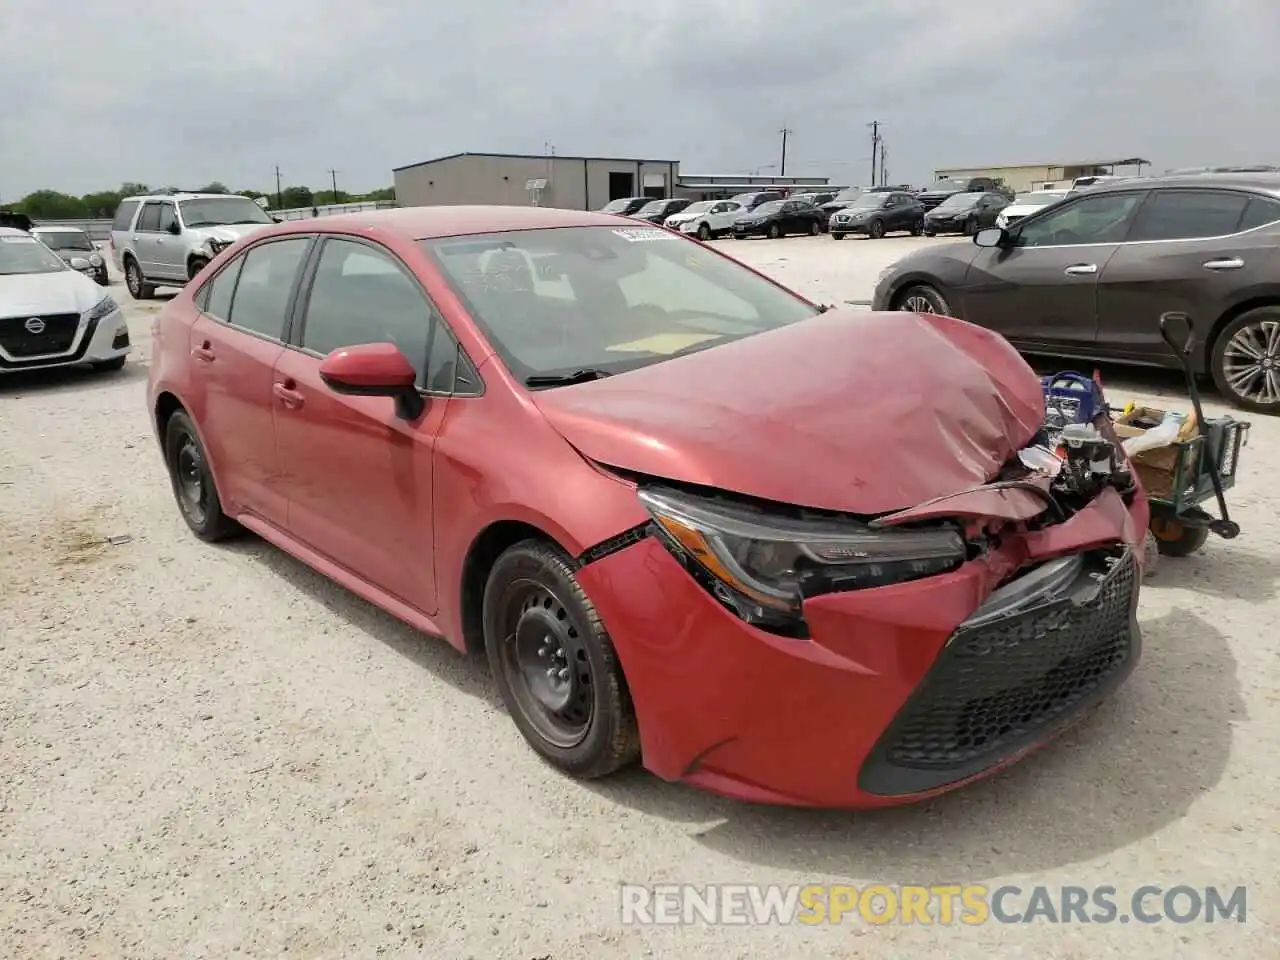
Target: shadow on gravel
1222, 570
80, 379
469, 675
1133, 768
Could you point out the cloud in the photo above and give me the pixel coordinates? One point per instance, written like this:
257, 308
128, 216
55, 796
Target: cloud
181, 92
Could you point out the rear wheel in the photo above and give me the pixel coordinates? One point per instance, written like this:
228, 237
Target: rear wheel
1246, 360
875, 230
139, 289
774, 231
922, 298
555, 664
1177, 539
192, 480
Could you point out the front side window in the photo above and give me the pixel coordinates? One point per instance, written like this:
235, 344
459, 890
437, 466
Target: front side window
222, 211
362, 295
149, 219
25, 254
556, 301
265, 285
167, 219
124, 215
1189, 214
1101, 218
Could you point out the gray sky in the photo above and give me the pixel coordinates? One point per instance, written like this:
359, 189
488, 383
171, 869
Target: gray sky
181, 92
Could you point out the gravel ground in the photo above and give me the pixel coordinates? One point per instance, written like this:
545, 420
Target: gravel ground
211, 751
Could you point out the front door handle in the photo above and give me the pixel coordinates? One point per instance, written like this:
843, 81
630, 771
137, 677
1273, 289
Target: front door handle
1080, 269
204, 352
290, 397
1224, 263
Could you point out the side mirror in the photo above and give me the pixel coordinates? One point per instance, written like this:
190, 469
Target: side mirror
80, 263
375, 370
993, 237
174, 228
277, 219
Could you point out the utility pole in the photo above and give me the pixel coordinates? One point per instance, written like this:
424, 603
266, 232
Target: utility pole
875, 147
333, 179
782, 168
884, 171
279, 201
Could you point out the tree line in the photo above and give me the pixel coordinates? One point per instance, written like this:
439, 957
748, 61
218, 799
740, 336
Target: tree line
53, 205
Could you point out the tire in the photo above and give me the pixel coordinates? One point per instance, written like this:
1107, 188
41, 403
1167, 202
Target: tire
1174, 539
195, 266
110, 366
929, 233
923, 299
586, 726
970, 227
704, 232
139, 289
1245, 360
836, 236
815, 229
192, 481
774, 231
917, 229
875, 229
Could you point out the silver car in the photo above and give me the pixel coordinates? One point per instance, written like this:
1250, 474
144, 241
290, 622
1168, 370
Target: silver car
73, 245
166, 239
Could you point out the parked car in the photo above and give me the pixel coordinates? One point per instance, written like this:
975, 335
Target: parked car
657, 211
752, 200
72, 243
965, 213
15, 221
1028, 203
51, 315
1084, 183
625, 206
876, 214
706, 218
941, 190
778, 218
166, 239
584, 478
817, 199
841, 200
1088, 277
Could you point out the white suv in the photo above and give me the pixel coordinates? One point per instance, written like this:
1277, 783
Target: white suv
166, 239
706, 219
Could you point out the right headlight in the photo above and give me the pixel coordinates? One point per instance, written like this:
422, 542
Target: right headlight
763, 564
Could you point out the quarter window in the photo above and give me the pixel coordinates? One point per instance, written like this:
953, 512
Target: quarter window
124, 215
149, 221
361, 295
1188, 214
1259, 212
264, 286
1101, 218
215, 298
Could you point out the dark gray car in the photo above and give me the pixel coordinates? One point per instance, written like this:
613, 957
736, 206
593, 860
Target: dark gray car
1089, 277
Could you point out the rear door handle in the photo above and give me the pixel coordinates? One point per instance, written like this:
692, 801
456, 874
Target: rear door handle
288, 395
204, 352
1080, 269
1225, 263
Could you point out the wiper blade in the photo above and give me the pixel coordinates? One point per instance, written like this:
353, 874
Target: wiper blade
566, 379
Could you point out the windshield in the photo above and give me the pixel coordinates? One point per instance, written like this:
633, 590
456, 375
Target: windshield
616, 206
769, 206
65, 239
27, 255
959, 201
649, 209
868, 201
745, 198
702, 206
600, 298
1038, 198
221, 211
849, 193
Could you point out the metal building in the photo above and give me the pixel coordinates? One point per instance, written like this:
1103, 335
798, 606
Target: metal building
1022, 177
572, 183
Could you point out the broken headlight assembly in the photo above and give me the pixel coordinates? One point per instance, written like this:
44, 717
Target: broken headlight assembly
762, 565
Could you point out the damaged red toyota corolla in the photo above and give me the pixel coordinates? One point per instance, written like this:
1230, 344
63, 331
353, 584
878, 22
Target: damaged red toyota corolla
786, 554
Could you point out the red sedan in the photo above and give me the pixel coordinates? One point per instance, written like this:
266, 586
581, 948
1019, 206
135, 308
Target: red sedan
781, 552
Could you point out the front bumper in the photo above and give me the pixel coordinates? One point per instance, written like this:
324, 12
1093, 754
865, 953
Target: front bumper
943, 226
750, 230
898, 695
847, 226
92, 342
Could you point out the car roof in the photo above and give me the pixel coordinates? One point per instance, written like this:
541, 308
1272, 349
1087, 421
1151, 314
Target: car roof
425, 223
13, 232
57, 229
1260, 182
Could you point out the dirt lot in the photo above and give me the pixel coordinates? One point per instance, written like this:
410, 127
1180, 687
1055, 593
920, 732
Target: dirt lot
211, 752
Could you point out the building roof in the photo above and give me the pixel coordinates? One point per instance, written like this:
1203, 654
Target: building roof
1128, 162
423, 223
752, 185
527, 156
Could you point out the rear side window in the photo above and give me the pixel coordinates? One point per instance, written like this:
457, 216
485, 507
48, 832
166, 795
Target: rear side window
1189, 214
150, 218
264, 286
124, 215
1259, 212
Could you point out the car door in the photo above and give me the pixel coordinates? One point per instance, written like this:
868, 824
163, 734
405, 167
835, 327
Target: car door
1196, 251
1040, 289
723, 214
235, 343
146, 234
360, 477
170, 259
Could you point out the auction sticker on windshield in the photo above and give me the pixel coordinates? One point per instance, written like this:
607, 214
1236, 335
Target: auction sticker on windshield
664, 343
643, 236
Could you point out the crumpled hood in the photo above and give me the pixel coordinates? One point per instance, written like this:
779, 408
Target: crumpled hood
231, 232
851, 411
39, 294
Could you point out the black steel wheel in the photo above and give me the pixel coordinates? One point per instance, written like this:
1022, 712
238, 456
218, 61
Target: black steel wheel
192, 481
139, 289
875, 229
922, 298
555, 665
1245, 361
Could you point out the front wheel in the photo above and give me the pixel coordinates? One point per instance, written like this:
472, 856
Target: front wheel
1176, 539
917, 229
876, 229
1246, 360
195, 266
555, 664
836, 236
192, 481
970, 227
815, 228
923, 298
704, 232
